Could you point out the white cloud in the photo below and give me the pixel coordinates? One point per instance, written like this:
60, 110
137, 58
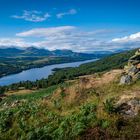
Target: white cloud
33, 16
13, 42
130, 38
71, 37
45, 32
67, 37
70, 12
39, 16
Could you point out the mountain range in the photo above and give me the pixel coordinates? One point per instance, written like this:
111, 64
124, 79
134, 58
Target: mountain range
36, 52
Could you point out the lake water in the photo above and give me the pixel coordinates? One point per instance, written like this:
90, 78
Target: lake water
37, 73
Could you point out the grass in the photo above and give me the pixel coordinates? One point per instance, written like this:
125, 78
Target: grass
32, 96
68, 111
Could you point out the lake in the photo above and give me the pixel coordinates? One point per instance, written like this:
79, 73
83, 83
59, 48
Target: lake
37, 73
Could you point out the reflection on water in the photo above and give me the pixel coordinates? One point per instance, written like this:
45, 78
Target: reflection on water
37, 73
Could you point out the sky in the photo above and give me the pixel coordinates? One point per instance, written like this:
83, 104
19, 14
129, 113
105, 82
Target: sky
79, 25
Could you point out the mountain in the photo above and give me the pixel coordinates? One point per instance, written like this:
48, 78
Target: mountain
10, 52
62, 52
36, 52
32, 51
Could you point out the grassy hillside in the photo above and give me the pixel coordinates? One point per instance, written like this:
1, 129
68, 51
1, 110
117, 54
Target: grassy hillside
104, 64
91, 106
79, 109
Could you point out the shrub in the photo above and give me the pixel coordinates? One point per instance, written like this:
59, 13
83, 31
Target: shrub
109, 106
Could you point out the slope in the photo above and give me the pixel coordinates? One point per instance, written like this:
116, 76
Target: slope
93, 106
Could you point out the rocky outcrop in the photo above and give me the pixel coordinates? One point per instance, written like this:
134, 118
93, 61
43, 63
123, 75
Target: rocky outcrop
129, 108
132, 69
126, 79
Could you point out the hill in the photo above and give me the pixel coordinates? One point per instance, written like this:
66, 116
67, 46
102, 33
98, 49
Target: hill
90, 105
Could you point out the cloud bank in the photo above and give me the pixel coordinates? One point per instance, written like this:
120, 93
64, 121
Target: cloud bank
46, 32
130, 38
73, 38
14, 42
64, 37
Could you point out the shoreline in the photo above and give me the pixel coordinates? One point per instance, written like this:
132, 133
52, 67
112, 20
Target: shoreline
12, 74
42, 65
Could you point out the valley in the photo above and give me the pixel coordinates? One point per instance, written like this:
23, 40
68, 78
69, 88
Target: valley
39, 73
13, 60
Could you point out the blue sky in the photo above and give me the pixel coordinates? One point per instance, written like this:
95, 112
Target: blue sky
87, 25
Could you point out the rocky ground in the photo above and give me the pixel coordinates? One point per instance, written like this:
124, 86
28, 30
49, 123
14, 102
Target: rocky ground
132, 69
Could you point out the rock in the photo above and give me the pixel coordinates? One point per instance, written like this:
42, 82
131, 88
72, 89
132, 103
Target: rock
133, 70
134, 102
136, 76
135, 59
129, 108
127, 68
126, 79
137, 52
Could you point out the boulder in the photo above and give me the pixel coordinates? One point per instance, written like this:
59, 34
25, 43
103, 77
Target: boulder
126, 79
133, 70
